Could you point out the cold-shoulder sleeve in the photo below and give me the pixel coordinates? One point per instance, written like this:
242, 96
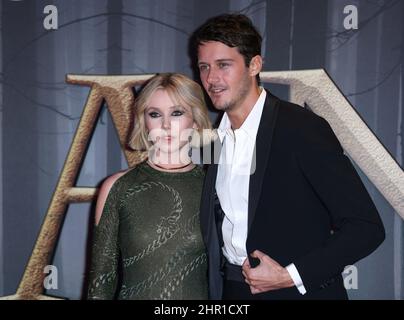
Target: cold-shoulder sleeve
103, 275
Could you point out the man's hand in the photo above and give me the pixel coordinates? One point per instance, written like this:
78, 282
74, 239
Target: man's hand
268, 275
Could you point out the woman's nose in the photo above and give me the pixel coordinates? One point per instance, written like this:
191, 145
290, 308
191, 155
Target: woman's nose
166, 124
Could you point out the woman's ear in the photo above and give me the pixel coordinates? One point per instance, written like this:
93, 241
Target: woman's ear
195, 140
255, 65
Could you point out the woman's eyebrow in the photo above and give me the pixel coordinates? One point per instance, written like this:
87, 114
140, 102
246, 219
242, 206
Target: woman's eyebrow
159, 108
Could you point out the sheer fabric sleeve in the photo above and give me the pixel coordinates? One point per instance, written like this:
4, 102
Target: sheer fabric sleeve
103, 275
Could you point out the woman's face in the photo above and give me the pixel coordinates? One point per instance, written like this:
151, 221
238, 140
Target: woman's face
168, 123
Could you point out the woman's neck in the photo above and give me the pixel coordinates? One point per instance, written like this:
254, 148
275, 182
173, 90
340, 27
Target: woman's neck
172, 168
171, 162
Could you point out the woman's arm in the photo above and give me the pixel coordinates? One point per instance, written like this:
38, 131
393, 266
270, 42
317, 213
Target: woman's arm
103, 194
105, 250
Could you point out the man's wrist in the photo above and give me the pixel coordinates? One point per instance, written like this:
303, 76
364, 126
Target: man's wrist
287, 279
297, 280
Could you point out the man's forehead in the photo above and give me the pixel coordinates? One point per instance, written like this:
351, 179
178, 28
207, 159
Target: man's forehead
214, 44
216, 51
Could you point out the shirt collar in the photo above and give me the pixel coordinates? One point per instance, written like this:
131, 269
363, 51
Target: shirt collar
250, 124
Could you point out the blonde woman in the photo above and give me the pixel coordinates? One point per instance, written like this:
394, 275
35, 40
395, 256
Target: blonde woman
147, 241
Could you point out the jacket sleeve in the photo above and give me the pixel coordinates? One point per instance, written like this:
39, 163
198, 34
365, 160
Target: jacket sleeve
357, 229
103, 279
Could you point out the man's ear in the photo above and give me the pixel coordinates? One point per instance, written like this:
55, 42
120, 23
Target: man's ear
255, 65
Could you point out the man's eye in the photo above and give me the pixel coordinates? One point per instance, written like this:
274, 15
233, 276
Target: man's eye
154, 114
223, 65
177, 113
203, 67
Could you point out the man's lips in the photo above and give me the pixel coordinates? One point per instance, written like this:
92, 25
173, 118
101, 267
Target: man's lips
216, 91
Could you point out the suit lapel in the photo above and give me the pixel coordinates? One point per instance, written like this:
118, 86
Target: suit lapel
209, 192
209, 228
262, 152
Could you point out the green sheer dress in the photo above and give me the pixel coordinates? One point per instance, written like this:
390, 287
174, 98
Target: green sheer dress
148, 243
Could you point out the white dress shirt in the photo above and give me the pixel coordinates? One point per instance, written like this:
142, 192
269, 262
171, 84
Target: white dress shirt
236, 164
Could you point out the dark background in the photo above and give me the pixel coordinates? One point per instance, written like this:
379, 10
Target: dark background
39, 112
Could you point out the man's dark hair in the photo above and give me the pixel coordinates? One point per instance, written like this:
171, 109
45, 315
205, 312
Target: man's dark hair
233, 30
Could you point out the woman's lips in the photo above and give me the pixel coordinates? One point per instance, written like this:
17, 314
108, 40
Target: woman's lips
167, 138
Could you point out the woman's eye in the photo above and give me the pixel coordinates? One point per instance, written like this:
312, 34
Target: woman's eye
154, 114
177, 113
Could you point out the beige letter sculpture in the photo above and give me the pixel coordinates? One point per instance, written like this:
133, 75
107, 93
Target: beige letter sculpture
312, 87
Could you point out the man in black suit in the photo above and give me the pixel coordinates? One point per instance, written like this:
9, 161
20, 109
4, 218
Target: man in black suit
284, 211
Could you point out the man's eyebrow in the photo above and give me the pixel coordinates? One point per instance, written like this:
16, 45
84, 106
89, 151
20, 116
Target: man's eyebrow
216, 61
224, 60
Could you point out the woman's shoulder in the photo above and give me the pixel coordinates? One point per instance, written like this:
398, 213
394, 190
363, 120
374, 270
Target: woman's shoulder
120, 176
105, 189
109, 181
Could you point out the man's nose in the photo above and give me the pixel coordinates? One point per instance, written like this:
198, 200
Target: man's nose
212, 76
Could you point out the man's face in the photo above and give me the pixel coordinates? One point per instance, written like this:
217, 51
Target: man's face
224, 75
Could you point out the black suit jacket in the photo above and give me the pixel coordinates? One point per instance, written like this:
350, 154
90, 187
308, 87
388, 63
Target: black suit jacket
307, 205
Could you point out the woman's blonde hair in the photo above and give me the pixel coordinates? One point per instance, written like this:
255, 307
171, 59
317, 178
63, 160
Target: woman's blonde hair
181, 90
